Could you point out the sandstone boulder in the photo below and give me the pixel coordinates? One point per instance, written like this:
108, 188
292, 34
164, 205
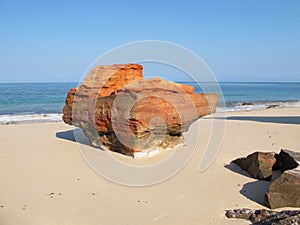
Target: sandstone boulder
101, 81
119, 110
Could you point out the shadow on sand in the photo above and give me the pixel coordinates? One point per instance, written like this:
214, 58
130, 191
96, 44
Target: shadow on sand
265, 119
235, 168
254, 191
75, 135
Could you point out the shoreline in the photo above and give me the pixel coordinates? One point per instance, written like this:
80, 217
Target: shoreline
57, 117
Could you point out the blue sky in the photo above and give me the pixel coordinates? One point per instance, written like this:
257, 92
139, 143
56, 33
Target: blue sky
255, 40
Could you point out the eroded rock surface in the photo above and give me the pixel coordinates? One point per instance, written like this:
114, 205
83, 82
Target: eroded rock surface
285, 190
258, 164
266, 217
118, 109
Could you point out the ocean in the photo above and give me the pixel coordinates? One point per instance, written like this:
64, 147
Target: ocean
43, 102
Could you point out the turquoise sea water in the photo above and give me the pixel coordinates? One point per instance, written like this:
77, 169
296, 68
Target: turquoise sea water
24, 102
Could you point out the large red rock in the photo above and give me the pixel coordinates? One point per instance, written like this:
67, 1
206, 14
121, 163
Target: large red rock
117, 108
101, 81
258, 164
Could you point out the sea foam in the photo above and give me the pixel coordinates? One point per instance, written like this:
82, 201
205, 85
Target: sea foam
34, 118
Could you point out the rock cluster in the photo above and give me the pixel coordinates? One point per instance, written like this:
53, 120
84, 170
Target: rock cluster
283, 191
121, 111
266, 217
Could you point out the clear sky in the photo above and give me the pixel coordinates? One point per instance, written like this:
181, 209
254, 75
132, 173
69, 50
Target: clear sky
241, 40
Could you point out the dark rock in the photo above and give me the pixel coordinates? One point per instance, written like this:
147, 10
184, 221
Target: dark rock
284, 191
247, 103
11, 122
240, 213
272, 106
286, 160
258, 164
266, 217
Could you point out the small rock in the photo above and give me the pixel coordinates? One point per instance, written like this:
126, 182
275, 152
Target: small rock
239, 213
272, 106
266, 217
286, 160
247, 103
258, 164
11, 122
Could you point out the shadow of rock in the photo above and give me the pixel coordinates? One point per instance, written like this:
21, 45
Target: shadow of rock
75, 135
67, 135
235, 168
256, 190
265, 119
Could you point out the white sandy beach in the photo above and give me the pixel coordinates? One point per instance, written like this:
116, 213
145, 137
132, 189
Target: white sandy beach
45, 180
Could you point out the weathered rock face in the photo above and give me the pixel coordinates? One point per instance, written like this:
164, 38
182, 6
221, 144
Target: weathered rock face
118, 109
266, 217
101, 81
258, 164
285, 190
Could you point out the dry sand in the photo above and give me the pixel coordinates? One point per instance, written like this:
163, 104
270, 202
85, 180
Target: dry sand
44, 179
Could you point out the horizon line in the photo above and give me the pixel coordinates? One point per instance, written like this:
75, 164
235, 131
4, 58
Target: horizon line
181, 81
